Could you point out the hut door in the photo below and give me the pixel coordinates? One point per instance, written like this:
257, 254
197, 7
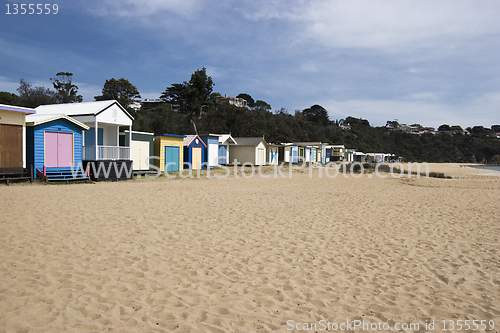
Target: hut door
196, 160
261, 156
11, 146
58, 150
222, 154
172, 157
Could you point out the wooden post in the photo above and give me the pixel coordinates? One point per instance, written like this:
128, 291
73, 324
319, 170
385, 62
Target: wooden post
96, 138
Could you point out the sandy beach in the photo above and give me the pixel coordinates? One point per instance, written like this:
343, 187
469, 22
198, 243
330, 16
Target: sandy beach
251, 255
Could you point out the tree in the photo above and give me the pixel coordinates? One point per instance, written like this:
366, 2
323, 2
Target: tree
190, 97
392, 124
444, 127
121, 90
317, 114
456, 128
65, 90
356, 121
261, 105
479, 130
33, 97
495, 128
8, 98
248, 98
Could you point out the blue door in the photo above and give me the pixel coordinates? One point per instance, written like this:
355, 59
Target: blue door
295, 154
172, 157
222, 154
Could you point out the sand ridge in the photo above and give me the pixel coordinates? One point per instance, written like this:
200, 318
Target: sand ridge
248, 255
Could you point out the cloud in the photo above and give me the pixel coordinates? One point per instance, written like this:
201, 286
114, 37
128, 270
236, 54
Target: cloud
146, 8
381, 24
426, 111
9, 85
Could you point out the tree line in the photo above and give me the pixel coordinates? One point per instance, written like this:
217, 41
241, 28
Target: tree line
192, 107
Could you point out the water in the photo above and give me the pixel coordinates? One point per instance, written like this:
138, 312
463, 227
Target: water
486, 167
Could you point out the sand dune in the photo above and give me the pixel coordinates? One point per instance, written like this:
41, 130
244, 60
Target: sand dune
248, 255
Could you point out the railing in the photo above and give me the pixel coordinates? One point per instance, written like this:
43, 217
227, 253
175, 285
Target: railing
106, 153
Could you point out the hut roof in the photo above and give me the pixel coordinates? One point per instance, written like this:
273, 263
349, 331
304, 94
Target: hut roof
80, 109
17, 109
190, 138
227, 137
252, 141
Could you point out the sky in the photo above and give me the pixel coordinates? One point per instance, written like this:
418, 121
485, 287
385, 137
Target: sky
427, 62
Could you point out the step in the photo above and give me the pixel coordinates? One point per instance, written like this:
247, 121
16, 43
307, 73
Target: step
67, 179
66, 176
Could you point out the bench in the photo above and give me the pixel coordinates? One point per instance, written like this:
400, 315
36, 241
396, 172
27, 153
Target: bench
16, 173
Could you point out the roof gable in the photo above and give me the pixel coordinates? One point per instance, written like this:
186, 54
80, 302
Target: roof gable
227, 139
37, 119
188, 140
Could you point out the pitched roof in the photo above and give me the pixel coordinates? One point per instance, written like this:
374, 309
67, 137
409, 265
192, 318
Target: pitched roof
80, 109
36, 119
17, 109
227, 137
252, 141
190, 138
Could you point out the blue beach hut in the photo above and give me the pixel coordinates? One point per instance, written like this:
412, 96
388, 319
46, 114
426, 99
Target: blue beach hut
194, 150
54, 146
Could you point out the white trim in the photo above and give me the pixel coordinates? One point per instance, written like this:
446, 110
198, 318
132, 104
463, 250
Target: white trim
34, 123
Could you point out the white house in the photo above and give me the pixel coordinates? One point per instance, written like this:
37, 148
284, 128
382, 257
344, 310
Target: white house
102, 141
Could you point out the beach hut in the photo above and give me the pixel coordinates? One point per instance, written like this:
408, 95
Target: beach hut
294, 151
307, 156
249, 150
101, 146
349, 155
194, 151
13, 143
141, 148
224, 141
212, 151
273, 151
169, 148
54, 146
291, 153
359, 156
13, 135
313, 154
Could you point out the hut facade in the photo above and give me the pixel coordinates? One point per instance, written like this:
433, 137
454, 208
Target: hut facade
54, 145
169, 150
212, 151
194, 151
141, 148
249, 150
273, 151
224, 141
13, 136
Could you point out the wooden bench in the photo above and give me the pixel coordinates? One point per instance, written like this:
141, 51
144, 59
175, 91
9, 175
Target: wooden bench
16, 173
